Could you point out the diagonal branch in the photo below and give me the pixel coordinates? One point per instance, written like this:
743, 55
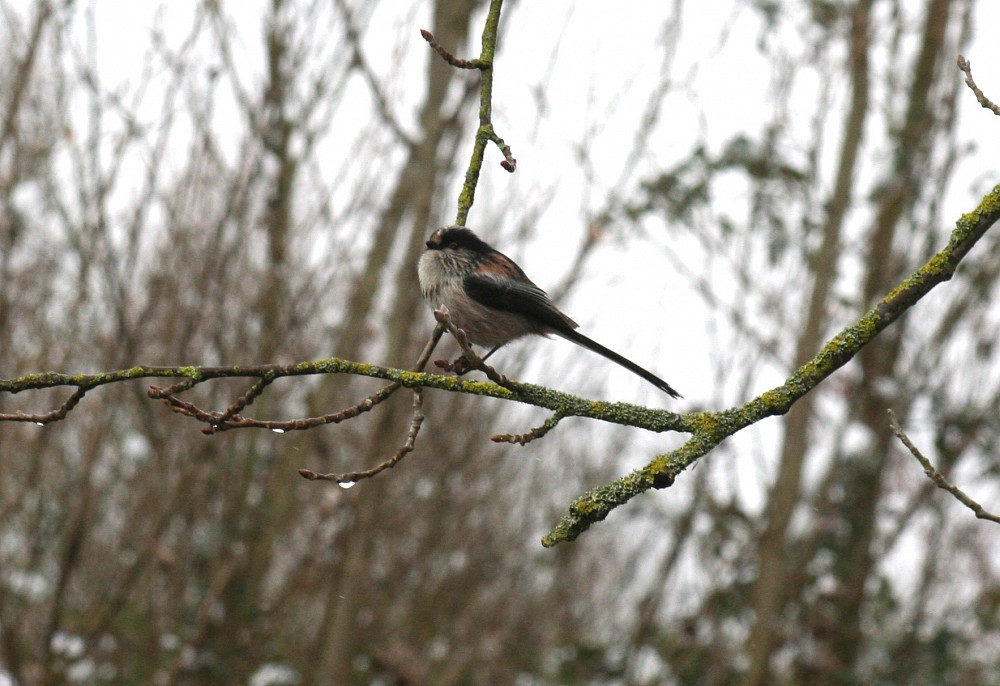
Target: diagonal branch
530, 435
936, 476
966, 67
715, 427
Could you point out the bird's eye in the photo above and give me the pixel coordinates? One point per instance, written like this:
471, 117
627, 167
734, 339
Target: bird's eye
453, 245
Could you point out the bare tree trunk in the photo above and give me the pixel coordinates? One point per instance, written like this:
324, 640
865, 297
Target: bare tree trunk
840, 639
405, 220
770, 586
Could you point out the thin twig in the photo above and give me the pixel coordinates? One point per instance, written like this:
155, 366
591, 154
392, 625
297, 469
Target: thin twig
936, 476
508, 163
350, 478
450, 58
219, 422
162, 392
966, 67
416, 422
247, 398
232, 419
47, 417
531, 435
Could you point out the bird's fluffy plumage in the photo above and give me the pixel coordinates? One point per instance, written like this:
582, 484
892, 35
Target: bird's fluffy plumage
493, 300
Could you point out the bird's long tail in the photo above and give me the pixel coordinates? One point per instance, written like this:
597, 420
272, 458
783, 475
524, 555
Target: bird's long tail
579, 338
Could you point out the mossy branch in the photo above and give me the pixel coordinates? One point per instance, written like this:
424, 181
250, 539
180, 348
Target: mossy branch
485, 134
565, 404
711, 428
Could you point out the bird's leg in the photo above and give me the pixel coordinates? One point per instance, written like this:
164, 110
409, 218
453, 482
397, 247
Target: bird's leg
460, 366
469, 359
487, 355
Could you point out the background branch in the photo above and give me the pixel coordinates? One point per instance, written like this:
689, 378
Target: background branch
936, 476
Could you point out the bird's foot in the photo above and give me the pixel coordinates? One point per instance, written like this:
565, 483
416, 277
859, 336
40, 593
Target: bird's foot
460, 366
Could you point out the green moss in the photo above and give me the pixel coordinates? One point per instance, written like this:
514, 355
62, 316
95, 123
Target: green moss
863, 331
585, 507
774, 398
662, 464
937, 265
990, 203
410, 378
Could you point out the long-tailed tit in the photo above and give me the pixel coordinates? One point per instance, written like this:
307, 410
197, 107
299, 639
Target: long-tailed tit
494, 302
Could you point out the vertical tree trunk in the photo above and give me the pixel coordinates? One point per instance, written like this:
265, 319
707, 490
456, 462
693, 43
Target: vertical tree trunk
405, 220
770, 586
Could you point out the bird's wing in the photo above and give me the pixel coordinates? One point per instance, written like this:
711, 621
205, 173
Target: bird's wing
520, 297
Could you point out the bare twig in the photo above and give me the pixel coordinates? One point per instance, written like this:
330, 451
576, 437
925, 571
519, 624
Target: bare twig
219, 422
966, 67
936, 476
508, 163
350, 478
47, 417
531, 435
247, 398
416, 422
456, 62
232, 419
161, 392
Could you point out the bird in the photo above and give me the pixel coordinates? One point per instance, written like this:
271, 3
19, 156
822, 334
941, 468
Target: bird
494, 302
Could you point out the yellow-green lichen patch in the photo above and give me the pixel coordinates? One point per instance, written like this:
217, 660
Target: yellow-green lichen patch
662, 465
366, 369
775, 399
410, 379
585, 507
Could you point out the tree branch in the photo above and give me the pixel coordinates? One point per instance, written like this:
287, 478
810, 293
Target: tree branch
966, 67
567, 405
714, 427
485, 133
936, 476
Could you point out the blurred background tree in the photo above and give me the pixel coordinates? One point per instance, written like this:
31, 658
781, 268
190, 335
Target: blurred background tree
257, 189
